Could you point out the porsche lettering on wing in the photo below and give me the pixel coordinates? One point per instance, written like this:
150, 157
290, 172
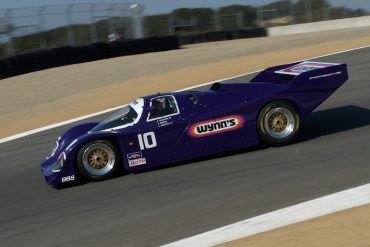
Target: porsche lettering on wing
216, 126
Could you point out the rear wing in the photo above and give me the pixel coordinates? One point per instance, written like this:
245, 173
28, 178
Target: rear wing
304, 67
306, 75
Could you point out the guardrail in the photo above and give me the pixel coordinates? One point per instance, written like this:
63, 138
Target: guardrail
222, 35
50, 58
61, 56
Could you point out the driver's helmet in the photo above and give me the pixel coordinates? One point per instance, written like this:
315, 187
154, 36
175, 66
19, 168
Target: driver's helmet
171, 103
158, 108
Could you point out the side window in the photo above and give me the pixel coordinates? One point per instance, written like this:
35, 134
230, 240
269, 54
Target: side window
163, 106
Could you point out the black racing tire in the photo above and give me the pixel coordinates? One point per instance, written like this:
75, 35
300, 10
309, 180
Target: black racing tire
98, 160
279, 123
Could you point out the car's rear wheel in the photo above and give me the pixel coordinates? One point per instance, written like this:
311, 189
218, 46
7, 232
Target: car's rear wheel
98, 160
279, 123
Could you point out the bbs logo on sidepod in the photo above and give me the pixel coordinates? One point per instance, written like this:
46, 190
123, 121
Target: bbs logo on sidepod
216, 126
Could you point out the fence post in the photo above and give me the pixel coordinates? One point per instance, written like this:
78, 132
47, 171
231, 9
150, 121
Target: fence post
193, 22
344, 12
127, 25
326, 12
111, 23
93, 30
291, 12
137, 9
275, 14
240, 20
259, 17
40, 13
10, 45
308, 9
170, 25
70, 33
217, 21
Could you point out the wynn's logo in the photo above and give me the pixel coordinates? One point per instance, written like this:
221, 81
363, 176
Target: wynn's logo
216, 126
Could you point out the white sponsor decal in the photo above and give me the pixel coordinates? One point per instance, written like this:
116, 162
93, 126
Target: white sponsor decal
326, 75
147, 140
68, 178
137, 162
215, 126
164, 122
136, 159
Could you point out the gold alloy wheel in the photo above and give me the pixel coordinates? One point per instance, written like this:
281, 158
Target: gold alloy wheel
278, 122
98, 159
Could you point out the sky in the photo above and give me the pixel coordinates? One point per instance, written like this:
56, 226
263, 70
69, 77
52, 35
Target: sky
164, 6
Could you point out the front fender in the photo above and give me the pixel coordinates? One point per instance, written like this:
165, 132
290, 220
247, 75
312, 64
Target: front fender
70, 143
74, 133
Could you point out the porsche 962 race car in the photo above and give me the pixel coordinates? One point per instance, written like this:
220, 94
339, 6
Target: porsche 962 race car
171, 127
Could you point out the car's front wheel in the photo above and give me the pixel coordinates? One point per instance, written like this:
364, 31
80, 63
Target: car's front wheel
98, 160
279, 123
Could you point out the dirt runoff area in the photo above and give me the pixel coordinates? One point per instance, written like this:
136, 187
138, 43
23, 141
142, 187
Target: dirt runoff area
342, 229
37, 99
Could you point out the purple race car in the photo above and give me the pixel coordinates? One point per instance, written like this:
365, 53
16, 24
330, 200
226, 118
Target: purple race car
171, 127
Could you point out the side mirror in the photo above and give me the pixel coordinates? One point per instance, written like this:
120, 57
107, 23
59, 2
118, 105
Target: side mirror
193, 99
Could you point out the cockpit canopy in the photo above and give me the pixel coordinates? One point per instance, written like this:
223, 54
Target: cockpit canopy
124, 117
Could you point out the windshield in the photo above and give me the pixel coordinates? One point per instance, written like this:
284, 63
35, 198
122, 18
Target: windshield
124, 117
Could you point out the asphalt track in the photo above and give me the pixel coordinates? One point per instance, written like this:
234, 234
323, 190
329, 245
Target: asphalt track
161, 206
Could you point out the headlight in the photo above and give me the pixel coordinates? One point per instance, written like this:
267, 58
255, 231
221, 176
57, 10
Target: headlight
59, 165
53, 150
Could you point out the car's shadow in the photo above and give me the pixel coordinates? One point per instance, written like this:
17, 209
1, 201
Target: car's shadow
320, 123
332, 121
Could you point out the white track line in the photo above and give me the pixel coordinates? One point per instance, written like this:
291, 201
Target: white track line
304, 211
52, 126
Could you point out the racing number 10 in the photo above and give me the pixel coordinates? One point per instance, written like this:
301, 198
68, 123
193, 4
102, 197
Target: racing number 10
147, 140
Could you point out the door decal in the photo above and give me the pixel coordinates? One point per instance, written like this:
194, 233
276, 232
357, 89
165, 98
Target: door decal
147, 140
216, 126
